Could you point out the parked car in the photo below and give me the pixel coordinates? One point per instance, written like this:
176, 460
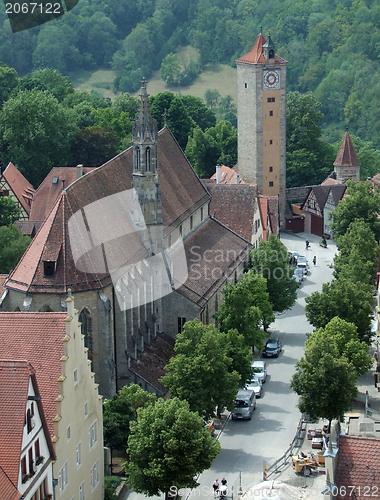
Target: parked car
260, 368
272, 348
298, 276
302, 264
245, 404
254, 385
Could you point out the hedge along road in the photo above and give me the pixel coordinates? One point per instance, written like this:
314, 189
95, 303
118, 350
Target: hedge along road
246, 445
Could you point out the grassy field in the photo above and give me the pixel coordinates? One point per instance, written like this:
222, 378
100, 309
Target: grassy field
216, 76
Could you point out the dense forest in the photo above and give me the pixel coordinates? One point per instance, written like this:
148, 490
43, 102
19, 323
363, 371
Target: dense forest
332, 46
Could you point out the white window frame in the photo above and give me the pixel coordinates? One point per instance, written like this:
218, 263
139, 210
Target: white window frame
68, 432
75, 375
94, 475
78, 452
81, 491
93, 434
63, 478
85, 407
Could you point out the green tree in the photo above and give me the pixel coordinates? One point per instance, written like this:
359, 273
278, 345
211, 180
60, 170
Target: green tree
325, 382
212, 98
93, 146
196, 109
200, 370
9, 211
168, 447
115, 120
358, 253
271, 260
309, 160
246, 307
240, 354
203, 152
362, 201
126, 103
345, 337
347, 300
8, 81
52, 80
170, 69
12, 247
37, 132
119, 411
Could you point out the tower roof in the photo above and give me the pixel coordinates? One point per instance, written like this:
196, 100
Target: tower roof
256, 55
347, 156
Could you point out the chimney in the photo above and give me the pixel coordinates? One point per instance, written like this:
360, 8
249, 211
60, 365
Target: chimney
237, 179
79, 171
218, 174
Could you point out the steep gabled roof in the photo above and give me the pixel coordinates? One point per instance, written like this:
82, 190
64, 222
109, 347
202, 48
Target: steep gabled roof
14, 384
358, 466
321, 194
7, 488
182, 193
235, 206
213, 253
337, 192
37, 338
227, 176
20, 186
50, 189
347, 156
256, 56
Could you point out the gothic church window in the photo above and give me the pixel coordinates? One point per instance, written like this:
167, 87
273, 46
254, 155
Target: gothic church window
147, 158
137, 159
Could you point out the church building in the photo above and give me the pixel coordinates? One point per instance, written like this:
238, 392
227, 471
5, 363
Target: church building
135, 242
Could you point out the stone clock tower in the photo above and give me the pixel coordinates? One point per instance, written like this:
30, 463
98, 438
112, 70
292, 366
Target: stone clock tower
261, 78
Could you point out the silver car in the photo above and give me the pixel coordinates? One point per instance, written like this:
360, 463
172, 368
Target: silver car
245, 405
255, 386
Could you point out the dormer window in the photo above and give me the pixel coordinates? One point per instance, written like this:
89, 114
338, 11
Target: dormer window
49, 269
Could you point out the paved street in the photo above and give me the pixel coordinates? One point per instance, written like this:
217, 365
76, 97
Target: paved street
246, 445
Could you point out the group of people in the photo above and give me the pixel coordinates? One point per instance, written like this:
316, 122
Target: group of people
220, 489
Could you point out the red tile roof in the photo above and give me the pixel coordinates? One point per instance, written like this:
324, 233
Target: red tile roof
235, 206
8, 489
21, 188
227, 176
37, 338
347, 156
256, 56
181, 191
358, 467
48, 192
213, 253
14, 384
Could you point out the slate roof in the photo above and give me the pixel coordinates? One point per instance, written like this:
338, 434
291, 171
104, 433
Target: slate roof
337, 192
212, 252
234, 205
256, 56
321, 194
14, 384
227, 176
37, 338
181, 191
48, 192
347, 156
150, 364
8, 489
358, 466
20, 186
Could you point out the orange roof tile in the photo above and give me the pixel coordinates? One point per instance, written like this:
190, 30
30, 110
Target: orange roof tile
20, 186
347, 156
227, 176
8, 489
37, 338
357, 466
49, 191
256, 56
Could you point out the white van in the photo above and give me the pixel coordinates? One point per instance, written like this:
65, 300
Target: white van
260, 368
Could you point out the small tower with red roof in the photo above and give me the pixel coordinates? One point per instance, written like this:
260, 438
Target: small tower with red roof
347, 164
261, 78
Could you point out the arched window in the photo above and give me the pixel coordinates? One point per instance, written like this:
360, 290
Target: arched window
86, 330
147, 159
46, 308
138, 159
271, 54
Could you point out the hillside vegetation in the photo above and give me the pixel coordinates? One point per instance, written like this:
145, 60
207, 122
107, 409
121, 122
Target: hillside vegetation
332, 46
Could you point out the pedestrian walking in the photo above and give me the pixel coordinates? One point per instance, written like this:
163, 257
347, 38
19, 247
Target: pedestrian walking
307, 244
215, 485
314, 260
224, 481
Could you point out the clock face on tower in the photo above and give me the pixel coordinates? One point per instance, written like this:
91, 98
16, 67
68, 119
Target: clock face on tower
271, 79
